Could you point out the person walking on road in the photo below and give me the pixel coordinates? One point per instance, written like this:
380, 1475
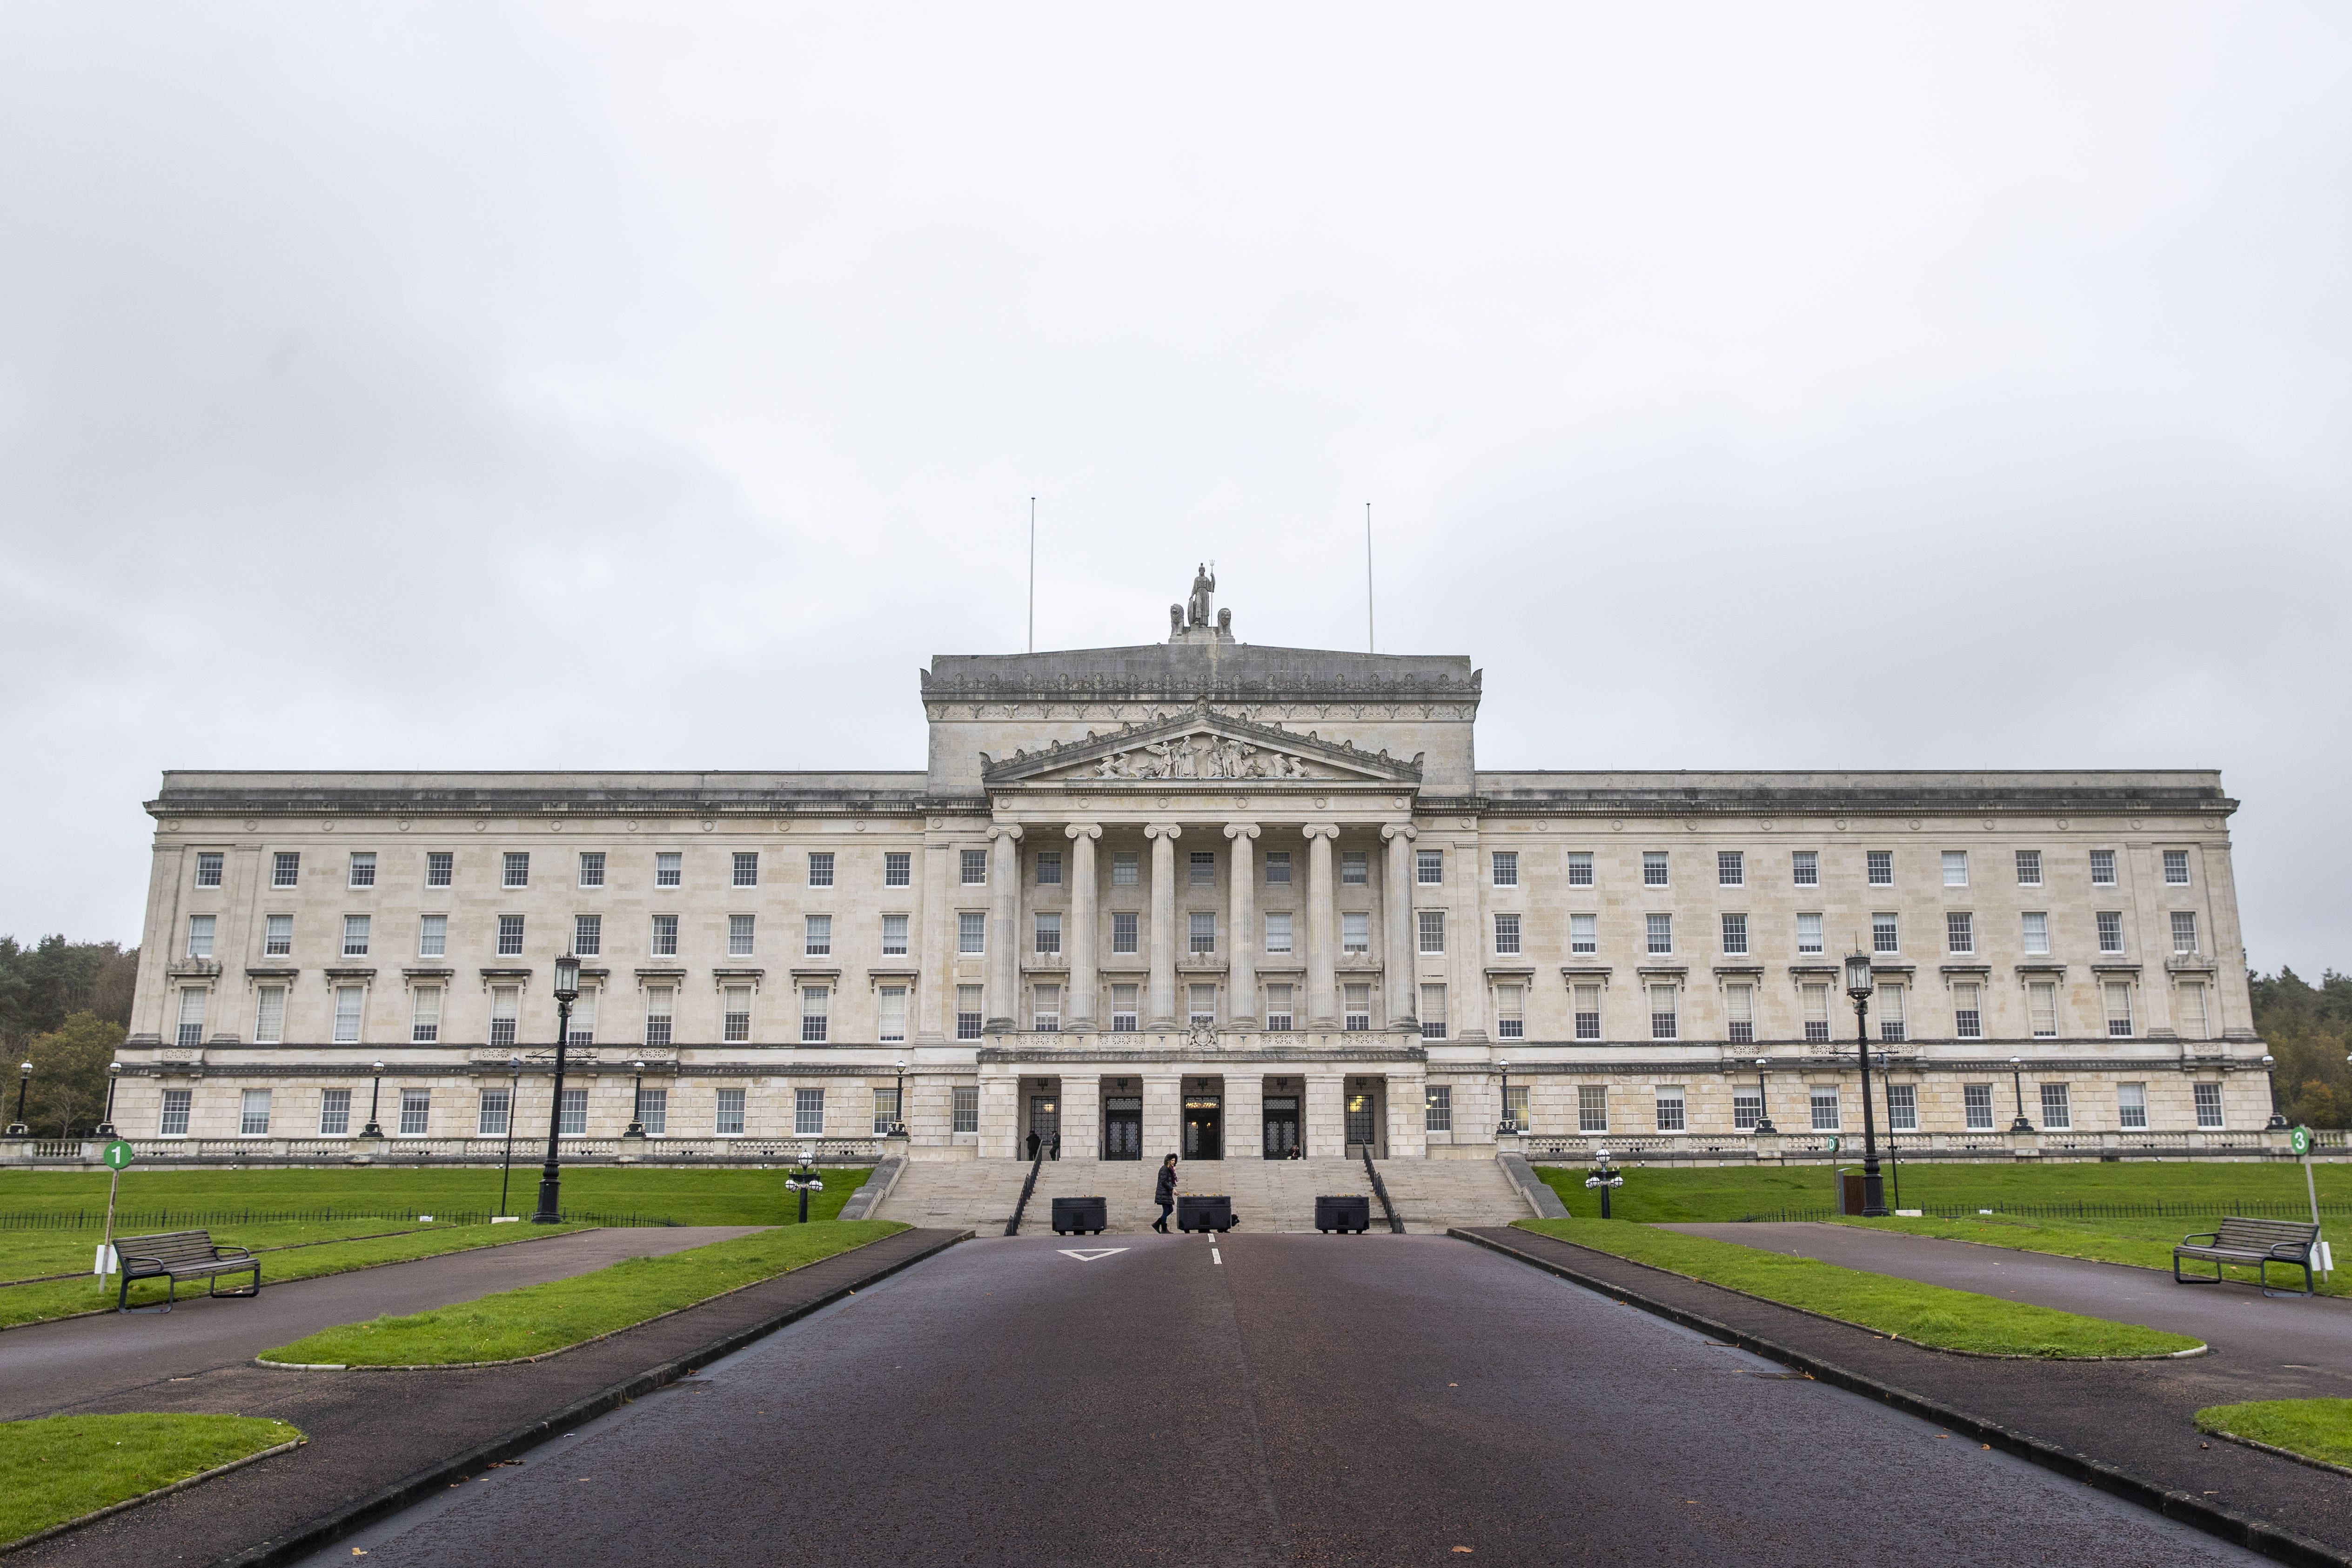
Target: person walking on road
1164, 1195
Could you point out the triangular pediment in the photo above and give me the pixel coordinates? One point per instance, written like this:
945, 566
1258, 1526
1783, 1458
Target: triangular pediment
1200, 742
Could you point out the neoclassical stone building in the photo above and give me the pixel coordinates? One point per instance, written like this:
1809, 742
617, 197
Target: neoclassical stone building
1202, 895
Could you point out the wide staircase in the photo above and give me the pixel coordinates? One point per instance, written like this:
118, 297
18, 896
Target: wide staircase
1269, 1195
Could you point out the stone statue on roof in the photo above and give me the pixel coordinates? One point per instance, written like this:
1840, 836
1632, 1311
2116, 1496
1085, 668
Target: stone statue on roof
1200, 609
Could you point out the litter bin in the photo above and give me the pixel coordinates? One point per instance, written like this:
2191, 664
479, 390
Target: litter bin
1076, 1217
1849, 1191
1343, 1211
1205, 1211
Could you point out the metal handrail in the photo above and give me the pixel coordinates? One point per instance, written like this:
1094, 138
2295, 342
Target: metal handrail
1381, 1190
1013, 1225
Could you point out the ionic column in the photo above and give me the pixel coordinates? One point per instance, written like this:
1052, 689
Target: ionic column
1397, 979
1160, 1005
1079, 1011
1322, 988
1241, 1004
1003, 942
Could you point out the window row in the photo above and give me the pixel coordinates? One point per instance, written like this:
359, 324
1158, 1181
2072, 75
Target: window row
1826, 1108
440, 868
492, 1111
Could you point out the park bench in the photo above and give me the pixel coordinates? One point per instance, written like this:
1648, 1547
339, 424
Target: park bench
179, 1255
2260, 1242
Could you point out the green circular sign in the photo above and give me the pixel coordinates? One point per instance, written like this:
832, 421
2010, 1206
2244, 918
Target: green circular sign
2299, 1141
119, 1154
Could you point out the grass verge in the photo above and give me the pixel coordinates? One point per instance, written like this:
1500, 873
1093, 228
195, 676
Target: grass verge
2316, 1428
1928, 1315
540, 1319
2142, 1243
60, 1467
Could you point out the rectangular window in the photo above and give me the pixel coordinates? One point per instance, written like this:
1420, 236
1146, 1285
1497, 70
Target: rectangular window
1049, 868
1047, 1012
509, 936
735, 1014
2208, 1107
1588, 1012
1357, 1017
2119, 1009
2042, 1008
1202, 1006
1662, 1013
348, 999
886, 1109
2131, 1106
355, 936
1277, 931
1881, 866
2111, 931
1432, 1012
253, 1115
1739, 1012
1123, 930
424, 1015
416, 1112
1824, 1104
1437, 1107
1885, 935
747, 869
816, 1008
363, 868
893, 936
175, 1113
1668, 1098
1506, 934
1579, 867
506, 1003
584, 1019
1661, 931
1592, 1108
1277, 867
1122, 1009
1956, 868
1203, 864
1356, 931
1277, 1008
433, 936
653, 1112
661, 1015
592, 868
440, 867
2057, 1114
890, 1015
743, 936
1894, 1018
971, 931
897, 869
1653, 868
1808, 933
816, 936
1510, 1013
2176, 868
1735, 935
2192, 1021
728, 1120
200, 935
335, 1113
665, 935
1960, 932
1730, 868
1746, 1108
492, 1107
1355, 868
1202, 931
1049, 931
587, 936
2184, 930
669, 868
1977, 1101
2029, 868
1902, 1108
820, 869
1429, 868
517, 869
269, 1015
1515, 1108
572, 1121
1126, 868
2036, 928
2102, 868
967, 1013
1805, 869
1967, 1010
965, 1108
208, 869
1583, 933
1816, 998
285, 869
1507, 868
1431, 924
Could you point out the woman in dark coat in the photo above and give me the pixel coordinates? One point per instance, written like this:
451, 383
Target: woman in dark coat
1165, 1195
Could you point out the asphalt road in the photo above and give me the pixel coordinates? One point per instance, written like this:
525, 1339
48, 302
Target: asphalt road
1264, 1400
80, 1362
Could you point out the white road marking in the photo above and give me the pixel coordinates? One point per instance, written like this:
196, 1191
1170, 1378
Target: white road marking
1088, 1254
1215, 1257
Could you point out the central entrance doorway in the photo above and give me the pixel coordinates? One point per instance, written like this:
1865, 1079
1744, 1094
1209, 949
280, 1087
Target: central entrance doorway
1123, 1127
1366, 1107
1205, 1127
1281, 1127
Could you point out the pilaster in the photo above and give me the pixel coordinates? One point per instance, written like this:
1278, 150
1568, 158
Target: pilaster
1160, 1004
1241, 990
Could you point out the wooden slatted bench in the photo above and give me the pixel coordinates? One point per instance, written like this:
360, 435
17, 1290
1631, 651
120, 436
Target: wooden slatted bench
179, 1255
2259, 1242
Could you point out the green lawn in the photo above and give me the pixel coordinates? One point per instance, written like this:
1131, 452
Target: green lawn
2316, 1428
538, 1318
63, 1467
2145, 1243
1924, 1314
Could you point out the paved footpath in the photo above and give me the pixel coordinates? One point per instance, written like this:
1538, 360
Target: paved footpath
2279, 1348
1267, 1400
83, 1363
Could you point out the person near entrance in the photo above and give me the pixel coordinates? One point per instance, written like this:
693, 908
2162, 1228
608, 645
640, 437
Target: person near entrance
1164, 1195
1033, 1146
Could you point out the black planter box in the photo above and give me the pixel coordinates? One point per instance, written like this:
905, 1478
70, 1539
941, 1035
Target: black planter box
1076, 1216
1203, 1211
1346, 1212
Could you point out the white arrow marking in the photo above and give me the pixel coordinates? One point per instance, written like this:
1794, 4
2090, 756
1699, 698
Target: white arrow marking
1088, 1254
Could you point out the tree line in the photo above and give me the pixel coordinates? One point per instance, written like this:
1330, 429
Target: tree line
64, 1007
2309, 1030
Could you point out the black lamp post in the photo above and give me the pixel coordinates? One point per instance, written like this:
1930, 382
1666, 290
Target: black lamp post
899, 1112
550, 1175
1763, 1106
1859, 984
514, 1108
805, 1180
2017, 1084
2277, 1122
1507, 1122
1603, 1178
105, 1128
18, 1128
375, 1094
637, 1104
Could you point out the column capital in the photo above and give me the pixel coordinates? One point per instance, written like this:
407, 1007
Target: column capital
1162, 830
1321, 830
1004, 830
1405, 830
1083, 830
1241, 830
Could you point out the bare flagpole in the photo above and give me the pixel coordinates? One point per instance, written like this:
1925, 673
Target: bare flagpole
1033, 573
1372, 638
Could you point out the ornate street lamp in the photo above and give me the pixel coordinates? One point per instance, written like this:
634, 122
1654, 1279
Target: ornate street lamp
2016, 1086
1763, 1108
2277, 1122
1507, 1123
899, 1114
1859, 984
375, 1094
18, 1128
105, 1129
805, 1180
514, 1108
550, 1175
1603, 1178
637, 1104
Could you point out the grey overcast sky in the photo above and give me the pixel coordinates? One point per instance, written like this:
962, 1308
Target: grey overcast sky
482, 385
